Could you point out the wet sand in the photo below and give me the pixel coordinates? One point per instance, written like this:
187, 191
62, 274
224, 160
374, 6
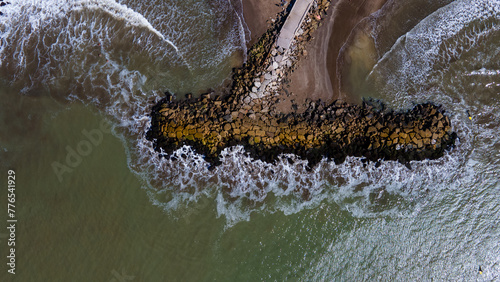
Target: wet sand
348, 15
310, 80
318, 73
371, 38
258, 16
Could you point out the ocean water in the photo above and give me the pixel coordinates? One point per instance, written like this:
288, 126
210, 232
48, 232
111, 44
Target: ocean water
94, 201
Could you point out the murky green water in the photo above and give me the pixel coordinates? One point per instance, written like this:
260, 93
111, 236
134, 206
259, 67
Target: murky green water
98, 224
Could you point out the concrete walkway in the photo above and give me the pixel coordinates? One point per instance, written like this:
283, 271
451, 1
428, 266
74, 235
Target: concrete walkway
293, 23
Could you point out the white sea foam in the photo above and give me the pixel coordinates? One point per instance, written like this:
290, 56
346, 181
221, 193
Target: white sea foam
49, 33
242, 185
484, 71
196, 22
437, 40
40, 11
244, 31
119, 12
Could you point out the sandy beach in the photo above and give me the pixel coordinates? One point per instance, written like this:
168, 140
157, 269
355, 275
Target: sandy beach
318, 73
259, 15
348, 15
311, 80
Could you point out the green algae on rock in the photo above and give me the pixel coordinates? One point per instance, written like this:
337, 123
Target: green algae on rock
333, 131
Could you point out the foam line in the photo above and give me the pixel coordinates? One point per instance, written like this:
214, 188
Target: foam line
122, 12
241, 28
51, 9
422, 42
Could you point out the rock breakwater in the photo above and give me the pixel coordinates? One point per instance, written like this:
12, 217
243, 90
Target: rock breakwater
333, 131
247, 116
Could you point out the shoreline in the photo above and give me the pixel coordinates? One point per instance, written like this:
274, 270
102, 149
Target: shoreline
259, 16
310, 80
349, 15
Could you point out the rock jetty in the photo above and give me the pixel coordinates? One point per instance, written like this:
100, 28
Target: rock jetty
246, 115
333, 131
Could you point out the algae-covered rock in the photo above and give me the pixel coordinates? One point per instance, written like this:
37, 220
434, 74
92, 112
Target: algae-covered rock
422, 132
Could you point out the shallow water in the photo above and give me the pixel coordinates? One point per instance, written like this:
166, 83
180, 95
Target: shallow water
119, 212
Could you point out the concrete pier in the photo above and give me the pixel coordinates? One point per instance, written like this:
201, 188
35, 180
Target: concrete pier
293, 22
